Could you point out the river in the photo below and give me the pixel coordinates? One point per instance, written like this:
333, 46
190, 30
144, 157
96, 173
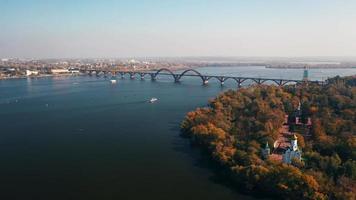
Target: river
82, 137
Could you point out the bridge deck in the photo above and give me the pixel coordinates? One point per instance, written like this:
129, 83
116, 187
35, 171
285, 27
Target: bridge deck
234, 77
205, 78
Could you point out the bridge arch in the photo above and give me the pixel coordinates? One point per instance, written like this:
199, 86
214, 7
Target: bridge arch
190, 70
277, 82
259, 81
223, 79
232, 78
203, 78
143, 74
289, 81
162, 70
110, 73
217, 78
125, 73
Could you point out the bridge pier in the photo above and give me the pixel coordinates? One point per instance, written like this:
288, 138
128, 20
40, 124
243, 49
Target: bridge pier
97, 73
205, 80
153, 77
279, 83
113, 74
258, 81
239, 82
132, 75
222, 80
176, 78
142, 75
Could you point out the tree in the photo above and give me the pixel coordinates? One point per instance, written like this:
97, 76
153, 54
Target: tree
236, 123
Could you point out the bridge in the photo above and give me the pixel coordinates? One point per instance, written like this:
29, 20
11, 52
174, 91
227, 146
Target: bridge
194, 73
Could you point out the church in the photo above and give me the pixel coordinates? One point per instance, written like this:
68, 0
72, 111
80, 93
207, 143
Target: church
285, 147
292, 152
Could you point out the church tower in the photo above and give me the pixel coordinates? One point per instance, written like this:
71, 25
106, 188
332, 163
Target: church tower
266, 151
294, 143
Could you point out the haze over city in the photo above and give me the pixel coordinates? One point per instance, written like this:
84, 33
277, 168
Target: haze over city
159, 28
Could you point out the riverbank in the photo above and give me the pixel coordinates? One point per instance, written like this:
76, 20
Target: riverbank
78, 74
314, 67
240, 128
39, 76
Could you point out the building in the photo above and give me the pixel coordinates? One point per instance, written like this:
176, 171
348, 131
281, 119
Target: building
2, 74
297, 118
31, 72
305, 74
60, 71
266, 151
10, 69
285, 148
74, 70
298, 114
292, 152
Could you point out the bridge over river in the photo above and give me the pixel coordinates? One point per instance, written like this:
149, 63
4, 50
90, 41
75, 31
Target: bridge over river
194, 73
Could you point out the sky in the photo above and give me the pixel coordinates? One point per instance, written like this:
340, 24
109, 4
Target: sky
176, 28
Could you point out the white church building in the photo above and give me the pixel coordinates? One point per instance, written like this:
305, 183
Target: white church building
292, 152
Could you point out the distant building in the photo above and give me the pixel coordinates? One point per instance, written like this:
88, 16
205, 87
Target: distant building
60, 71
74, 70
10, 69
133, 61
305, 74
292, 152
31, 72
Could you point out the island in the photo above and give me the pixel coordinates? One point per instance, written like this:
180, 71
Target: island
290, 142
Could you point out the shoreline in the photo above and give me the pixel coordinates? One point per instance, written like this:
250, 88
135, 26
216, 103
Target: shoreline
80, 74
39, 76
302, 67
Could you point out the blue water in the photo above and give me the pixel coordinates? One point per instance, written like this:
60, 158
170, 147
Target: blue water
84, 138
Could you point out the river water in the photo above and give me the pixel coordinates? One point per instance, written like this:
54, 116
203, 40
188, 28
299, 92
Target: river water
84, 138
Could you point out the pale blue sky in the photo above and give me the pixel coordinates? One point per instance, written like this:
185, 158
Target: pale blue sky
78, 28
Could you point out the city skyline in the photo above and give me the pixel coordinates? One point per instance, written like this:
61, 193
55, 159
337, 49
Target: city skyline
39, 29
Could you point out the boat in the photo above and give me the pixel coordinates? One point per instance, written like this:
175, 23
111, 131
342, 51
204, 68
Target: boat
113, 81
152, 100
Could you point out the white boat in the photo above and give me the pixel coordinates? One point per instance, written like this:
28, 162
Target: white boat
113, 81
152, 100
